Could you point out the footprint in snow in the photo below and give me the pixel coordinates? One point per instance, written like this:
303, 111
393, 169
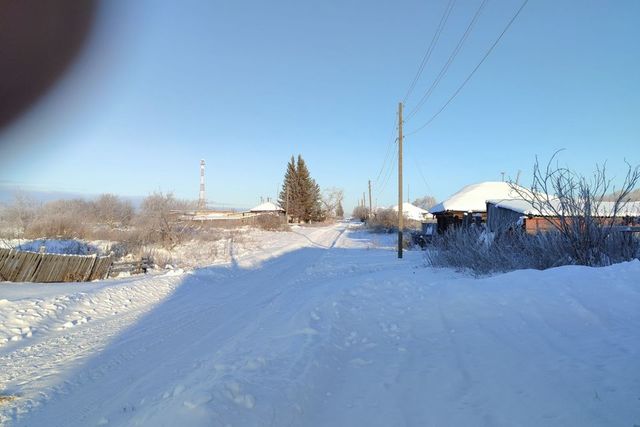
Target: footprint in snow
360, 362
234, 392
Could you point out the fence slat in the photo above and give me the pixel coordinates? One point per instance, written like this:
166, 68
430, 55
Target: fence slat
22, 266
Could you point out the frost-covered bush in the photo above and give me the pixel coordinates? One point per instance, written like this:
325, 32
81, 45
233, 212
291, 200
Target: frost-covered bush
271, 222
361, 213
383, 221
66, 219
158, 221
472, 249
386, 221
582, 211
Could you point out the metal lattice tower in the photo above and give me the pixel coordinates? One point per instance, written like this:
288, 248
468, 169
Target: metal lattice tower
202, 202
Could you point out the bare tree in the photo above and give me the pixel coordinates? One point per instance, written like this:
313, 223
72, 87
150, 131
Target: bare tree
426, 202
112, 210
159, 220
21, 212
61, 219
577, 207
331, 198
361, 212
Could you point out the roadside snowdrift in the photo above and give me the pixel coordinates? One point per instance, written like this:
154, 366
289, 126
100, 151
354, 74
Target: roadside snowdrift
340, 333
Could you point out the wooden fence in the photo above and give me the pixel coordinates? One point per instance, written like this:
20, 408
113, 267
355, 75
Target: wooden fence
20, 266
132, 267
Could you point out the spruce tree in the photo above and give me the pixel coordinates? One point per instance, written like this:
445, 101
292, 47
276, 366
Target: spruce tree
304, 193
317, 213
306, 188
290, 190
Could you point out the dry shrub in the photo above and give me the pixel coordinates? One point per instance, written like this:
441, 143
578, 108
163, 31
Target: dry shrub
112, 210
271, 222
361, 213
576, 207
61, 219
471, 249
159, 222
386, 221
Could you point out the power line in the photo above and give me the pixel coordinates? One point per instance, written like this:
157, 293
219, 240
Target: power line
388, 174
422, 175
387, 155
445, 67
434, 40
472, 72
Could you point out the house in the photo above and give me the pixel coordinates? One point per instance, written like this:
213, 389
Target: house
506, 214
469, 205
267, 207
413, 212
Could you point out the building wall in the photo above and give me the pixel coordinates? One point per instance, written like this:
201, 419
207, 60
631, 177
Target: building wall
500, 219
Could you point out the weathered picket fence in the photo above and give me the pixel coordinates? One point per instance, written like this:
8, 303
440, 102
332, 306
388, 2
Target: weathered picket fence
21, 266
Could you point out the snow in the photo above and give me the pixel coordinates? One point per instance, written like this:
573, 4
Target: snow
473, 198
413, 212
319, 326
267, 207
58, 246
604, 208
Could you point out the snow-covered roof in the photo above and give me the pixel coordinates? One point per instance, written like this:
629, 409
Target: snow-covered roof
519, 205
267, 207
413, 212
473, 198
603, 209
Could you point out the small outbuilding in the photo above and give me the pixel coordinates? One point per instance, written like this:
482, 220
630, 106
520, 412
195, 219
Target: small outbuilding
510, 214
469, 205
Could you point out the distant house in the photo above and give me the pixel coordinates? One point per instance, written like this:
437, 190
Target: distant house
509, 214
413, 212
267, 207
469, 205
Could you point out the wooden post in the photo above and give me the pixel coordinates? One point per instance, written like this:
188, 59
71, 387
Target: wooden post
370, 207
400, 218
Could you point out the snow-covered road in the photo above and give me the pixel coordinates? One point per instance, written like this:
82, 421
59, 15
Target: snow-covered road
320, 327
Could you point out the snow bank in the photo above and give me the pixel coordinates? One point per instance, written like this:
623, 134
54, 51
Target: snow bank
56, 246
335, 332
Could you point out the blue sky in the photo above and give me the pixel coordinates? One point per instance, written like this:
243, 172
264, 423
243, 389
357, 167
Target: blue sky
246, 84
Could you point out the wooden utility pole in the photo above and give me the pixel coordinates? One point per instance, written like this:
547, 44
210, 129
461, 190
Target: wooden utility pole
370, 207
364, 200
400, 217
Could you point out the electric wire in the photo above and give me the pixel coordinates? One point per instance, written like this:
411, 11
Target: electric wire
387, 157
487, 53
422, 175
434, 41
452, 57
388, 174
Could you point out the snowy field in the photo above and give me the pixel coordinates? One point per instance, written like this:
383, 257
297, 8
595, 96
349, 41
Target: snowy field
324, 327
